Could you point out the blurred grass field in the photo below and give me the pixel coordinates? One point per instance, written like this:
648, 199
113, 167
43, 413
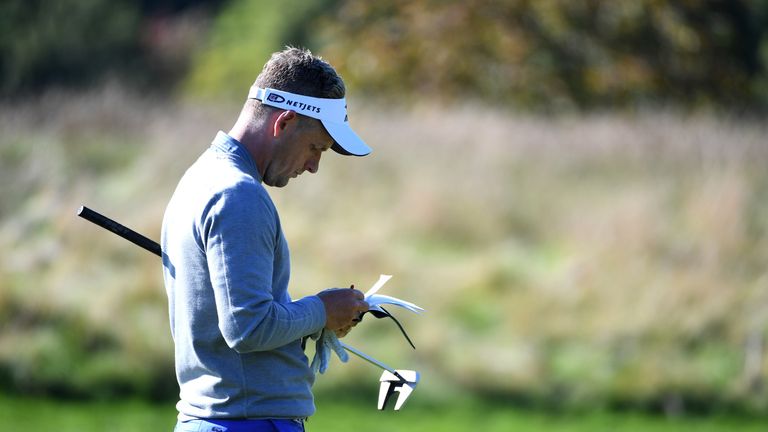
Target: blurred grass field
588, 262
138, 415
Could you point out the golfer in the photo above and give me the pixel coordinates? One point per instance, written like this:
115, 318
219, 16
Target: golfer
238, 334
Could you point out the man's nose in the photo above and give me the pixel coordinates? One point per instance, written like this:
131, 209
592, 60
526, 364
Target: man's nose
313, 165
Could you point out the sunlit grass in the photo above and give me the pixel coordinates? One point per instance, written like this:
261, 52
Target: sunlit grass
577, 260
41, 415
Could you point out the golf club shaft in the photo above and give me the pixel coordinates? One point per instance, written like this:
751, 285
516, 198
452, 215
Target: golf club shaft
371, 360
124, 232
154, 247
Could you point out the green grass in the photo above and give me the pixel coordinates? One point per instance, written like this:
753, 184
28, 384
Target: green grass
345, 415
34, 415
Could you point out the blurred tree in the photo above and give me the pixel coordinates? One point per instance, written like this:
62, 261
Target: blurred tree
65, 41
76, 42
243, 37
556, 52
547, 53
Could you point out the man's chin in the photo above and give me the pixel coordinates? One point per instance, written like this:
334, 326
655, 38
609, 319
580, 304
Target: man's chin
280, 182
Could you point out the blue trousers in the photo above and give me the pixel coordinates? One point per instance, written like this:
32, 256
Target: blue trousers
223, 425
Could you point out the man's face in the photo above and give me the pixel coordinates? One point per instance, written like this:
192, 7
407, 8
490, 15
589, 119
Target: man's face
298, 151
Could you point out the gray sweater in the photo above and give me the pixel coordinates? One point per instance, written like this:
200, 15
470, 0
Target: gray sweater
237, 333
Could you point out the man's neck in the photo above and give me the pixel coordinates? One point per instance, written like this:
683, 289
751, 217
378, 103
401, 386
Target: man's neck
252, 138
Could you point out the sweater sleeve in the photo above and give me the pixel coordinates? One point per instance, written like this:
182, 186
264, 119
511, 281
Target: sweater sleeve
241, 232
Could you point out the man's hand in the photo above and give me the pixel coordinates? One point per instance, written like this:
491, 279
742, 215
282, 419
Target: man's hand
340, 333
342, 307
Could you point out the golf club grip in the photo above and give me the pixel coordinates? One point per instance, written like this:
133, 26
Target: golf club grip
124, 232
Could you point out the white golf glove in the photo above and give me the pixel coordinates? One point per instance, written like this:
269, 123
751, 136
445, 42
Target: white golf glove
325, 341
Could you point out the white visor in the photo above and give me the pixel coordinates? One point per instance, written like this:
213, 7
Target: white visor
332, 113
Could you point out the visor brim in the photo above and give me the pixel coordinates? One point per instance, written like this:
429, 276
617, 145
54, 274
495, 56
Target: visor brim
346, 141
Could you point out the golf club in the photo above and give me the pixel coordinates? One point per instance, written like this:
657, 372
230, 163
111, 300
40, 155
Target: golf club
392, 380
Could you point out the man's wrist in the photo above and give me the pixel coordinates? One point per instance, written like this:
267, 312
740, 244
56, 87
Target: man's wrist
317, 312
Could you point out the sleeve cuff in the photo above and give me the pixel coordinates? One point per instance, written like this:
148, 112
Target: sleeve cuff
316, 316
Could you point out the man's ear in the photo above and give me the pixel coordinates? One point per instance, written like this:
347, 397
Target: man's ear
283, 122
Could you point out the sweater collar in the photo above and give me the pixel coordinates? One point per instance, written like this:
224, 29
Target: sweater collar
225, 143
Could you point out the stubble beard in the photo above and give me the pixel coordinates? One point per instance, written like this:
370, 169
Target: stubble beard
275, 180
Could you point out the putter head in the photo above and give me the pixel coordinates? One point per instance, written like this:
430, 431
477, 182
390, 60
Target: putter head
404, 383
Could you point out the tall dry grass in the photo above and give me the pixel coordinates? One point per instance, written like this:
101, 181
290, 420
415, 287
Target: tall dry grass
584, 260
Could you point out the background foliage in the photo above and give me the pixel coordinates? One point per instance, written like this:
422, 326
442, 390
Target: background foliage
80, 43
556, 52
552, 54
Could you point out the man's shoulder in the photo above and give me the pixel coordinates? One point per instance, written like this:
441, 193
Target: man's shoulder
220, 173
214, 185
246, 193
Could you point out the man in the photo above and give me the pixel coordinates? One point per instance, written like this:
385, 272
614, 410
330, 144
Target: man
237, 333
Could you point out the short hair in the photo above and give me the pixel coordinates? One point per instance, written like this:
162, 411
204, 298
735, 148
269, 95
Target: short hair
297, 70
